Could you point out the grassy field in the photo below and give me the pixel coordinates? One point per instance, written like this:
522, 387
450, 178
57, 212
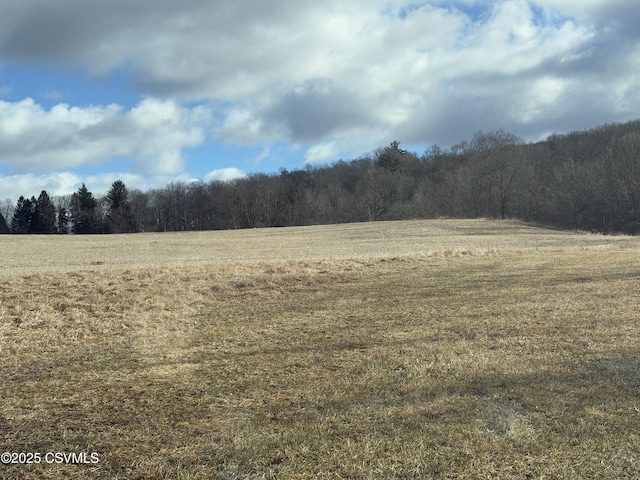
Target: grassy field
427, 349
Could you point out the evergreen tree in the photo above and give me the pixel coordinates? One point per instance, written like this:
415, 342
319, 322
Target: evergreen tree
62, 225
84, 212
390, 158
22, 215
120, 218
44, 215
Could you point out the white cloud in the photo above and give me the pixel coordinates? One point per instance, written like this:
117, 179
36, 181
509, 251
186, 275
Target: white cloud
224, 174
59, 183
243, 125
266, 151
321, 152
392, 77
152, 134
541, 97
66, 182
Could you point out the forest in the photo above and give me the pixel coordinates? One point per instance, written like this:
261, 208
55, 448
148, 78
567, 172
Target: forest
586, 180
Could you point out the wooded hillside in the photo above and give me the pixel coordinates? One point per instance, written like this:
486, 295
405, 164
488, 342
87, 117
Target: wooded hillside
584, 180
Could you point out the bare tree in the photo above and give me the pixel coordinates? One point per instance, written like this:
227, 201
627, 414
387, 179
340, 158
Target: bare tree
620, 169
6, 208
497, 162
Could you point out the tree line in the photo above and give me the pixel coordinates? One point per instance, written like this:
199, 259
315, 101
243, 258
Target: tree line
587, 180
79, 213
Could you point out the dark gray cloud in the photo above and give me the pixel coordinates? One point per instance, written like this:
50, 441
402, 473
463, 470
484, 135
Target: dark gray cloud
315, 109
65, 30
620, 17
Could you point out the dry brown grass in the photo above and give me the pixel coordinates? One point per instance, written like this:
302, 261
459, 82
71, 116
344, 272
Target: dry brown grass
479, 350
358, 240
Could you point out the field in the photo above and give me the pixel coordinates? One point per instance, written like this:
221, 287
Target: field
422, 349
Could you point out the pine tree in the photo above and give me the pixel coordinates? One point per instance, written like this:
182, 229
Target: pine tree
62, 225
22, 215
84, 212
119, 216
390, 158
44, 215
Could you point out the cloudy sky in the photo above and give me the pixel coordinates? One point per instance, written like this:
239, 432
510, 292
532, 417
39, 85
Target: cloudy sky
151, 91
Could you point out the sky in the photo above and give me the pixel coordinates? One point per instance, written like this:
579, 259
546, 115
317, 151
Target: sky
155, 91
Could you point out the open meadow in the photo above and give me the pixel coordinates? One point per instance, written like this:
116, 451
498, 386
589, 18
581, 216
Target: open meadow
418, 349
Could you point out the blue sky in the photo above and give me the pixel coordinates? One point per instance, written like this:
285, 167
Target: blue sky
155, 91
